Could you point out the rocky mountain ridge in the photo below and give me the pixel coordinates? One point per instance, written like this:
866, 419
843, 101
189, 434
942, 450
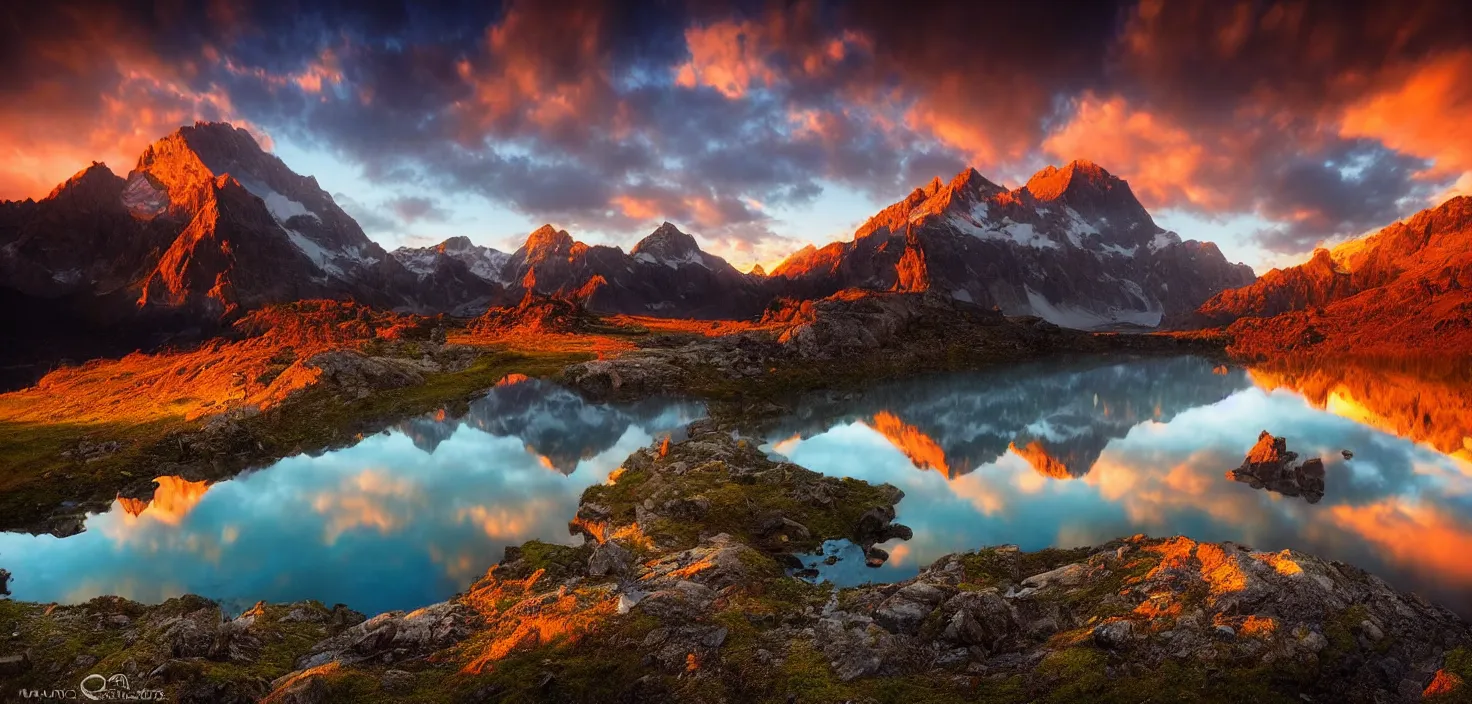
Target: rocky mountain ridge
1404, 288
209, 224
1073, 246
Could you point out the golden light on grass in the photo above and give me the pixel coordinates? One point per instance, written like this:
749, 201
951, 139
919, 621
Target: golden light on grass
516, 618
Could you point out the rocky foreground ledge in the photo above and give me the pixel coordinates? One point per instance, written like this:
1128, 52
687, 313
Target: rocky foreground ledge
680, 593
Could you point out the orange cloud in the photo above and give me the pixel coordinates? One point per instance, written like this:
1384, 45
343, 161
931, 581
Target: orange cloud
369, 499
1425, 115
1163, 162
43, 140
733, 57
1420, 536
725, 56
540, 68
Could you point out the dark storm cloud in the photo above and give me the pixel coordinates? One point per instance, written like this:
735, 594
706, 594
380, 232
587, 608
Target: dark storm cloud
618, 115
412, 209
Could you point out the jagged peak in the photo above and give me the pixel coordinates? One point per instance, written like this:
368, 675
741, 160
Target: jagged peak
95, 176
807, 250
548, 238
933, 187
668, 240
218, 133
971, 179
1053, 182
457, 243
758, 270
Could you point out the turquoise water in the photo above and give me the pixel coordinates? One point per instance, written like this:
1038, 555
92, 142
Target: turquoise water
1140, 447
1058, 454
402, 519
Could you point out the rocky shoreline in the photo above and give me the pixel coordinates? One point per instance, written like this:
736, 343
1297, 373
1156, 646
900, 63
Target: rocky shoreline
680, 592
850, 339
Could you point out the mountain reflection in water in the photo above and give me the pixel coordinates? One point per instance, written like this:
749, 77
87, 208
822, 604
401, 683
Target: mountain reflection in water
1070, 454
401, 519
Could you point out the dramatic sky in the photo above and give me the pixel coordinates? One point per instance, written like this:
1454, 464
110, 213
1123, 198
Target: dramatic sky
759, 127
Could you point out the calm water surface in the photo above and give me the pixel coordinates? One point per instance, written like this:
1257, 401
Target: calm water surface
1078, 454
402, 519
1058, 454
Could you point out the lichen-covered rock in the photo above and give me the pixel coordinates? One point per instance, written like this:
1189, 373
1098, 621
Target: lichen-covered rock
356, 375
395, 636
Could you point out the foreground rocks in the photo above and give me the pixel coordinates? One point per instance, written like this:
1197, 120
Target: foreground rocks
680, 592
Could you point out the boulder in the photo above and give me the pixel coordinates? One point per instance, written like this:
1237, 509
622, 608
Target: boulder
609, 558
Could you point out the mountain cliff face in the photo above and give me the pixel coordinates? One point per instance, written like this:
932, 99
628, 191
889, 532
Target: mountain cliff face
206, 224
458, 276
1073, 246
1405, 287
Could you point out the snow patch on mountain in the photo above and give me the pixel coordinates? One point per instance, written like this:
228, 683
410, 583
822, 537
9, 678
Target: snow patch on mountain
673, 261
488, 264
1079, 318
281, 207
315, 252
483, 262
1164, 239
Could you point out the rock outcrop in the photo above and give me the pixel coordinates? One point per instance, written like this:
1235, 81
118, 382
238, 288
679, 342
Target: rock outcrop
1269, 465
853, 334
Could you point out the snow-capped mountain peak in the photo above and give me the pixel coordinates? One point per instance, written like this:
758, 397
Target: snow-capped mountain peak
484, 262
669, 246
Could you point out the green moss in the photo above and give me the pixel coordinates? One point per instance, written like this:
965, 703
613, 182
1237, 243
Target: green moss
558, 561
1083, 673
1459, 662
1340, 632
738, 504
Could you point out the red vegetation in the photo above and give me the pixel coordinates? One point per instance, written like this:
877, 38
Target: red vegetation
544, 323
534, 315
1444, 683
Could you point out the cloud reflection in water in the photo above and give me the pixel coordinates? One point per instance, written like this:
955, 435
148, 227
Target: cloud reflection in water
1145, 445
401, 519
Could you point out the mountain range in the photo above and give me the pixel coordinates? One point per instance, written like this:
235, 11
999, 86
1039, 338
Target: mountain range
207, 224
1073, 246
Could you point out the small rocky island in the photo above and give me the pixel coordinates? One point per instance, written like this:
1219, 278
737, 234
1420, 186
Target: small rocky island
681, 592
1269, 465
